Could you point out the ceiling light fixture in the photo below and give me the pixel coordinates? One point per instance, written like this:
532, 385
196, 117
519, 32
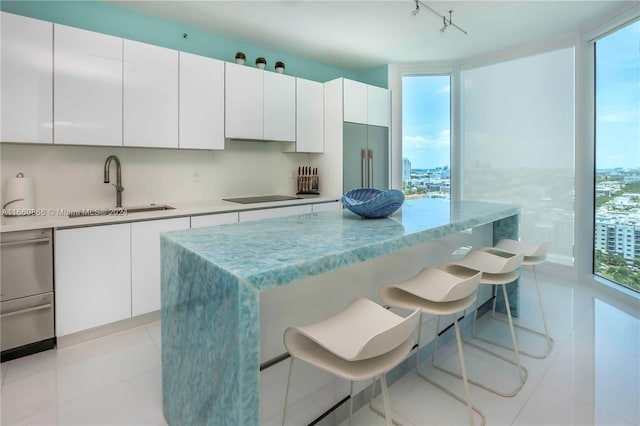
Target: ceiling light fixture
446, 22
417, 9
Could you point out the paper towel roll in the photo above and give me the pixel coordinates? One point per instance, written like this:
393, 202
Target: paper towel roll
18, 199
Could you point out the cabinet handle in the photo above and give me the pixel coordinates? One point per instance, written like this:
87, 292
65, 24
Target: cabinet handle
24, 311
20, 242
370, 155
363, 166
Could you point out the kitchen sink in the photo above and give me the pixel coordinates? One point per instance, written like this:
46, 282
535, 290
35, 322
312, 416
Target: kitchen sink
119, 211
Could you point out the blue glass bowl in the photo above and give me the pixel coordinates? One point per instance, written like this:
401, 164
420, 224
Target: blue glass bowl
369, 202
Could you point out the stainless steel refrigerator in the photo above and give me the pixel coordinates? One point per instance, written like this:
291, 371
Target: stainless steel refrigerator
365, 157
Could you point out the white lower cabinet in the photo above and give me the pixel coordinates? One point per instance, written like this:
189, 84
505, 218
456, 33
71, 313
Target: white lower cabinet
274, 212
213, 219
325, 207
92, 277
145, 262
109, 273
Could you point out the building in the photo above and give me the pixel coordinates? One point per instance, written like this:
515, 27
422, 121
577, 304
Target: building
406, 170
619, 235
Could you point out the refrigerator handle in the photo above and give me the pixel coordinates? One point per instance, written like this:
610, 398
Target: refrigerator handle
370, 160
363, 166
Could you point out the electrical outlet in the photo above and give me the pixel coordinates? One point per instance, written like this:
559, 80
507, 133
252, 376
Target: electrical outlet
195, 176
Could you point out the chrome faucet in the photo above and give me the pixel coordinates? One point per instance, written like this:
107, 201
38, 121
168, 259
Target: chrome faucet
118, 185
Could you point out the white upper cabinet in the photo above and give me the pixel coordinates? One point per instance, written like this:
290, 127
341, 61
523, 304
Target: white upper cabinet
355, 101
88, 87
259, 105
201, 102
27, 79
309, 116
279, 107
378, 106
243, 102
150, 95
365, 104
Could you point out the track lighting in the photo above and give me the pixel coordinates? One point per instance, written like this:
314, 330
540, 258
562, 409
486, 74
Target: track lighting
417, 9
446, 22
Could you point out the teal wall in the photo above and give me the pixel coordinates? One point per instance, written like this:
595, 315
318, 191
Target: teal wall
108, 19
378, 76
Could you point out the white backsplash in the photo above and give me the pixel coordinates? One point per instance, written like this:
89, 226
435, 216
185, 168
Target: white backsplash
72, 176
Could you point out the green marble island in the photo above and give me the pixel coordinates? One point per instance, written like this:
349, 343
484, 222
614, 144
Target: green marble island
212, 279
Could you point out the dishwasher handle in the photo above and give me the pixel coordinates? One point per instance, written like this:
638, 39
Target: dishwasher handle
20, 242
24, 311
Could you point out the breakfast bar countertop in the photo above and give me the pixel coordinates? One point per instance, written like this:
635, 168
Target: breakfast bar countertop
212, 279
277, 251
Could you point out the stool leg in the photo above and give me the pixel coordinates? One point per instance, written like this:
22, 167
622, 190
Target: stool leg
286, 398
385, 397
435, 345
418, 339
475, 316
544, 319
387, 413
350, 400
463, 368
522, 371
513, 333
545, 335
467, 402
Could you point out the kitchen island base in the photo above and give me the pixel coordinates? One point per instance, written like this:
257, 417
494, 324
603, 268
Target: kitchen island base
229, 291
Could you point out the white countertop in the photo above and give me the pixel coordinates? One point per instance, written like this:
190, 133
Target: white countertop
58, 218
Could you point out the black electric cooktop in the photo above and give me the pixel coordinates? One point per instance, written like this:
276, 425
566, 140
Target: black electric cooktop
261, 199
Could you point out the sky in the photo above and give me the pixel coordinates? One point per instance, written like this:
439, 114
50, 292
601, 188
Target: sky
618, 99
426, 108
426, 121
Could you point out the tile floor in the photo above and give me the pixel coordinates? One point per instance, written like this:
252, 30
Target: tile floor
592, 376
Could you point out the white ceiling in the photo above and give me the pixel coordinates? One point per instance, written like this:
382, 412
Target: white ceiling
362, 34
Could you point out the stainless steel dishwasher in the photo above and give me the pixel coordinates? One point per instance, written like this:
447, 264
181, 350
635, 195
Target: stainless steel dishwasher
26, 293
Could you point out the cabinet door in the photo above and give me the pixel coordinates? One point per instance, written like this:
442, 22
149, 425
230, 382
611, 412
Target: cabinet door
27, 79
354, 151
145, 262
274, 212
201, 102
279, 107
150, 95
378, 157
377, 106
309, 116
355, 101
243, 102
213, 219
87, 84
92, 277
325, 207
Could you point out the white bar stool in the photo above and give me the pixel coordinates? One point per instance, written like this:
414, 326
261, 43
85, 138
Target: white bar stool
534, 254
361, 342
439, 292
498, 268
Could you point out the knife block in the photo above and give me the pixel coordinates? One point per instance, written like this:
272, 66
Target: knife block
308, 184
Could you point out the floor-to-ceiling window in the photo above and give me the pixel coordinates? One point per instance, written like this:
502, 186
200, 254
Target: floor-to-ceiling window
617, 157
426, 136
518, 140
